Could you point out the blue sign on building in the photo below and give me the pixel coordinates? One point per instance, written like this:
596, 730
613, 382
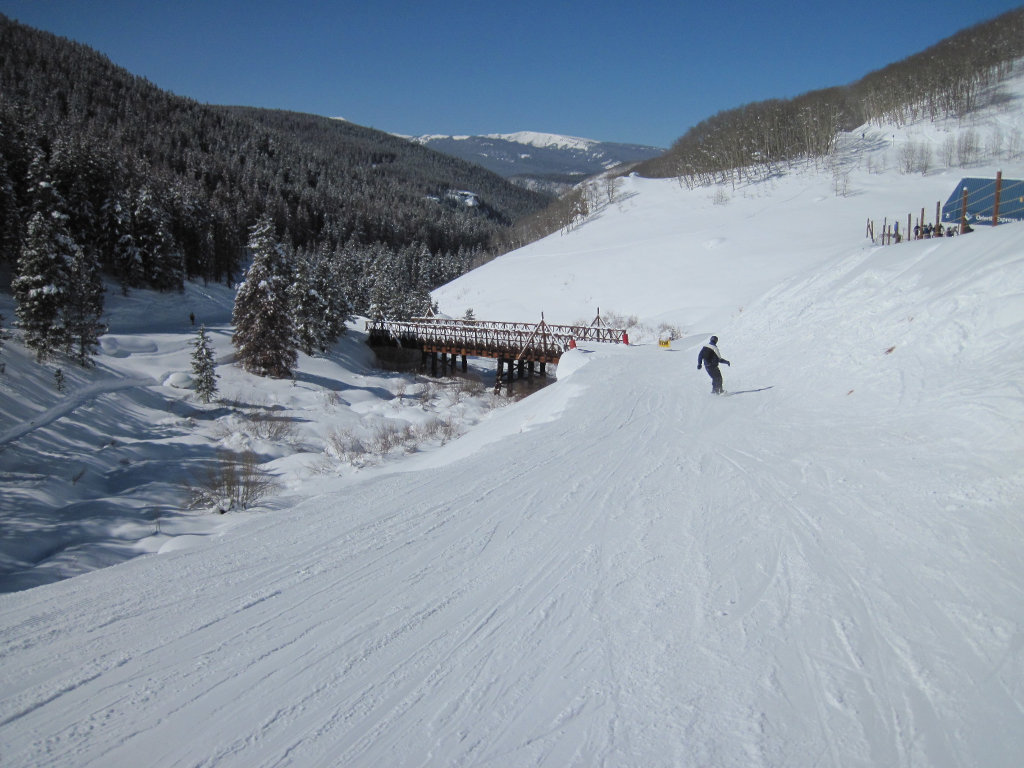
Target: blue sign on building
981, 198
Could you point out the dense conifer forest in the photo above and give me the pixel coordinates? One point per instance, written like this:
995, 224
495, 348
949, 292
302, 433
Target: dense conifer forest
154, 188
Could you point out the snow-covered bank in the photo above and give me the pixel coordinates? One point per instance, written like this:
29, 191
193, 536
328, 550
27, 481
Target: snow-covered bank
101, 472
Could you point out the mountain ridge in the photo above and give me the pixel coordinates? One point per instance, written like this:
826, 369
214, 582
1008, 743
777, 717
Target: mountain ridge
547, 162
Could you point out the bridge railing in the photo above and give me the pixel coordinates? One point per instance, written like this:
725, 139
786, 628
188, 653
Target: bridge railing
510, 340
596, 331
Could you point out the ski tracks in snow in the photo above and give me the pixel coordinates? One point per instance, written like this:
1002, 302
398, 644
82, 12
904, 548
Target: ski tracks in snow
699, 588
842, 583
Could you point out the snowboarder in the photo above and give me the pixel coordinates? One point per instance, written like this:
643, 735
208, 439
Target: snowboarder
709, 358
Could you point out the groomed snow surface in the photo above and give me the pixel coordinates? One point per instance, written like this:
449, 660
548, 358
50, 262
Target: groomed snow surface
618, 570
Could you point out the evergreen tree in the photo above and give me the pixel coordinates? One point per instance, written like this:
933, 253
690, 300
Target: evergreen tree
383, 284
83, 181
329, 279
83, 307
161, 260
118, 243
10, 219
192, 230
264, 335
41, 281
203, 373
417, 296
417, 303
309, 307
320, 306
347, 270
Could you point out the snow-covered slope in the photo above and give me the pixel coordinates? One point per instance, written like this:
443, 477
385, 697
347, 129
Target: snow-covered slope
821, 569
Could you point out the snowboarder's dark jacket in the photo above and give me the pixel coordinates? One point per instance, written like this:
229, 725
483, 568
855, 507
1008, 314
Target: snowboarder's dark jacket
709, 356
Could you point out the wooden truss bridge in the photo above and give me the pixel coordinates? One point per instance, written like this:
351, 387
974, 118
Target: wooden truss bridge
518, 347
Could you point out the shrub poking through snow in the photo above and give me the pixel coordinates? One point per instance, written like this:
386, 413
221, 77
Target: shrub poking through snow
235, 481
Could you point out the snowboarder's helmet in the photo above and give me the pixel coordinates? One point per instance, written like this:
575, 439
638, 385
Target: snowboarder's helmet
714, 339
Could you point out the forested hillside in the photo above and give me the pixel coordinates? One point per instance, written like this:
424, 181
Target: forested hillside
155, 188
947, 79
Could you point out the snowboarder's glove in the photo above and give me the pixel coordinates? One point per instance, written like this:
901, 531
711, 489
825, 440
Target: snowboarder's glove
698, 366
727, 363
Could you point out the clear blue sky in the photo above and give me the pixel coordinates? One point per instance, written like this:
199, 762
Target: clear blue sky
637, 72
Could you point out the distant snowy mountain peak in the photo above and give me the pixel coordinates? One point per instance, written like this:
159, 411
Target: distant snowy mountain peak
546, 140
547, 161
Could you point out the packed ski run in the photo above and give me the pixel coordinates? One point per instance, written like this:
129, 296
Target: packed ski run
618, 570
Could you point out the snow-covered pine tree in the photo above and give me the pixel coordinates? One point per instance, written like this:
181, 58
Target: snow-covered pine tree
41, 278
204, 374
417, 302
118, 242
83, 307
347, 269
309, 306
161, 259
77, 170
191, 229
330, 283
264, 335
10, 217
383, 285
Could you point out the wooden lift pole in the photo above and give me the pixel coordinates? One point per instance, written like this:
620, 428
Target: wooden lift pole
963, 212
995, 205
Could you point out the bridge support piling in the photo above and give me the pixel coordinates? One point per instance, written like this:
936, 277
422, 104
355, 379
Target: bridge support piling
497, 378
464, 364
433, 364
